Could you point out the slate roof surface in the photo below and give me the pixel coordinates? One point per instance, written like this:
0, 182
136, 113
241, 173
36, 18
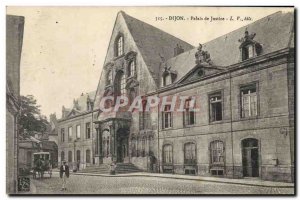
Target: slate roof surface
83, 99
273, 32
82, 105
153, 43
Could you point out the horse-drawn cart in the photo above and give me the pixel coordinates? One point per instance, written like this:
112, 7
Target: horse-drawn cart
42, 164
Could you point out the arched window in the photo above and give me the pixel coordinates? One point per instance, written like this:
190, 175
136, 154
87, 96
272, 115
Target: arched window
217, 152
168, 154
190, 153
131, 68
62, 156
109, 77
88, 156
70, 157
120, 46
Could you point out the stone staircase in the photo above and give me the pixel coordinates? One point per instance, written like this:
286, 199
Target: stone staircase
121, 168
124, 168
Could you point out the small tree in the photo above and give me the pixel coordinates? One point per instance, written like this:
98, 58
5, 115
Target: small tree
30, 117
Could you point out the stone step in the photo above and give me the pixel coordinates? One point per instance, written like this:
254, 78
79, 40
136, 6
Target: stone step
121, 168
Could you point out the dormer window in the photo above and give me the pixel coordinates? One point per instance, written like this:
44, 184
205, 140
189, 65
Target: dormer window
249, 47
166, 80
168, 76
119, 46
109, 77
247, 52
131, 68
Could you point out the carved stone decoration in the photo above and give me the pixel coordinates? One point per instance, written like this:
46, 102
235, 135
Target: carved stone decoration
131, 84
202, 57
168, 70
284, 131
119, 67
108, 91
248, 37
109, 65
201, 72
130, 56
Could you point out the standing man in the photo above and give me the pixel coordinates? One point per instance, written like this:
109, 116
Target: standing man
64, 174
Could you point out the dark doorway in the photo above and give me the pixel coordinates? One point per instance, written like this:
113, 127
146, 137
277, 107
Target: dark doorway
122, 145
250, 157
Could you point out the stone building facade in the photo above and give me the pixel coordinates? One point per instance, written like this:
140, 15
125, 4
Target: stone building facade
75, 133
14, 41
242, 85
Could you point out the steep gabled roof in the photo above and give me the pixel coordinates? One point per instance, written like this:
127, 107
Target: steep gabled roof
274, 32
153, 43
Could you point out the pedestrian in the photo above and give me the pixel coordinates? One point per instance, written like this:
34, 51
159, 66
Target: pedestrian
64, 174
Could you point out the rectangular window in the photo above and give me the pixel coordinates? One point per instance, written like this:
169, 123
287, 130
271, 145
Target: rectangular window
248, 101
189, 113
88, 130
217, 152
70, 133
167, 117
78, 132
215, 107
62, 135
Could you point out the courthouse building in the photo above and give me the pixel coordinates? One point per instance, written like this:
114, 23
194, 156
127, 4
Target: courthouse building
243, 85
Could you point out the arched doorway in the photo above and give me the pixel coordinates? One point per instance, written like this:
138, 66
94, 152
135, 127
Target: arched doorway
250, 157
122, 145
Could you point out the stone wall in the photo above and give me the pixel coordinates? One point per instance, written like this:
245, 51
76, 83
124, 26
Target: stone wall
83, 144
269, 127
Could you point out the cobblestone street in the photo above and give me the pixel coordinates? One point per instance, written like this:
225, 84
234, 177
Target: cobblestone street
79, 184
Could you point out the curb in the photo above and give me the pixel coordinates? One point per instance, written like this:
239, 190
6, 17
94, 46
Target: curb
183, 178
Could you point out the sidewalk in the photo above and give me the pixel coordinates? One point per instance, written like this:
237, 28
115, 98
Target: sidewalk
245, 181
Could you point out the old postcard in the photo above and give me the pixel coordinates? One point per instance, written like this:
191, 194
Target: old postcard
150, 100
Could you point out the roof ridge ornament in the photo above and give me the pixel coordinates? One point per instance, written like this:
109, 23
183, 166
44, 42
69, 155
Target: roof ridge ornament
247, 37
202, 57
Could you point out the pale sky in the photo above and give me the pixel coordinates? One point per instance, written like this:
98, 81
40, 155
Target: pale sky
64, 47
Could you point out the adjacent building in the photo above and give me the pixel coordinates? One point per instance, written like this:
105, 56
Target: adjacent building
14, 40
76, 130
30, 145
